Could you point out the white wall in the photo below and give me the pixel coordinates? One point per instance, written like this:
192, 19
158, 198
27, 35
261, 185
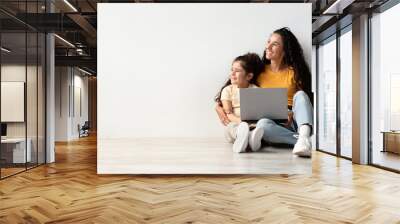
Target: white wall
67, 117
61, 103
160, 65
80, 84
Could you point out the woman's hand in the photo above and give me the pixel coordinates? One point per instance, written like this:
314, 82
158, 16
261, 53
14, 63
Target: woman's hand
221, 114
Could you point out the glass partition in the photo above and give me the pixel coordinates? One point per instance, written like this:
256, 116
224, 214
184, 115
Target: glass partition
13, 109
385, 89
41, 87
22, 77
346, 93
32, 95
327, 96
32, 83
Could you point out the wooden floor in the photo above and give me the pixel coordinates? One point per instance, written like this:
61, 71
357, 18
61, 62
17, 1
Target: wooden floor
386, 159
193, 156
70, 191
10, 171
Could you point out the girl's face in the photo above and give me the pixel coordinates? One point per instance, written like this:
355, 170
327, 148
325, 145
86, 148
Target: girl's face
239, 76
274, 48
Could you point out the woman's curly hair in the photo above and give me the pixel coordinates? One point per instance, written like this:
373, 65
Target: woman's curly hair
294, 58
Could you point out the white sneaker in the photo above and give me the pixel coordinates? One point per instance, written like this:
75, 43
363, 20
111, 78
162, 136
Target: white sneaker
242, 139
302, 147
255, 138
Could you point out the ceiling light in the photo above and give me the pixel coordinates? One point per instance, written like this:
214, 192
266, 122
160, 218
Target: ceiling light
64, 40
5, 50
338, 6
79, 51
70, 5
84, 71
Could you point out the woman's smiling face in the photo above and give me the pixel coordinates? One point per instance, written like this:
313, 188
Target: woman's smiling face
274, 48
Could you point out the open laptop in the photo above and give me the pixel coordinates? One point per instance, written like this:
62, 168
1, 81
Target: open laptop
257, 103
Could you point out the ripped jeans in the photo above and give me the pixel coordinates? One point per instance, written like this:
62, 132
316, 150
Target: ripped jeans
302, 114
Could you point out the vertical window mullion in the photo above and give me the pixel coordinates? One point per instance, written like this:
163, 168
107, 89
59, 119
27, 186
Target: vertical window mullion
26, 86
338, 73
317, 96
369, 78
37, 90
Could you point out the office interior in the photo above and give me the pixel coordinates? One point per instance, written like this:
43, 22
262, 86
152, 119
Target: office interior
48, 80
32, 119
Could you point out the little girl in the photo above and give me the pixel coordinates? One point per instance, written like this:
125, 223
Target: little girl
244, 73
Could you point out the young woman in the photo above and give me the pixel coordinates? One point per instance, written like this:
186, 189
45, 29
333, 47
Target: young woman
244, 73
285, 67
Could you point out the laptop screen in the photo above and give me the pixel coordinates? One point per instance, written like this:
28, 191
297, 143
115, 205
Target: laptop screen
257, 103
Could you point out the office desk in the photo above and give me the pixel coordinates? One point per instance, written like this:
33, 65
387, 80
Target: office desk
391, 141
15, 148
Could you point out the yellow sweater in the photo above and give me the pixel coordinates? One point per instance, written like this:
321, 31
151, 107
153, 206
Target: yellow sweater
281, 79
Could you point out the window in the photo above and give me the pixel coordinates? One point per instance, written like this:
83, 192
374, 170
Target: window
385, 88
327, 96
346, 92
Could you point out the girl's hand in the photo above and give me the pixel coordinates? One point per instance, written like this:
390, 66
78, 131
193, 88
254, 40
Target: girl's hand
290, 119
221, 114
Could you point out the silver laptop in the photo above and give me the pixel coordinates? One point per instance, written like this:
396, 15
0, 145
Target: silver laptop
257, 103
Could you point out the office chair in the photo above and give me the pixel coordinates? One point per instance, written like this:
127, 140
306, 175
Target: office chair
84, 130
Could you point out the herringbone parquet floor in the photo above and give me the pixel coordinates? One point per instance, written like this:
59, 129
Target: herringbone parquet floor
70, 191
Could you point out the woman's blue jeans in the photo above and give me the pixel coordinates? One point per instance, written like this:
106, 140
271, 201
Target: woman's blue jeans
302, 114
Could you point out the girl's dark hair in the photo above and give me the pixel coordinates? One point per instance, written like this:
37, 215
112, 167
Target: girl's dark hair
251, 63
294, 58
